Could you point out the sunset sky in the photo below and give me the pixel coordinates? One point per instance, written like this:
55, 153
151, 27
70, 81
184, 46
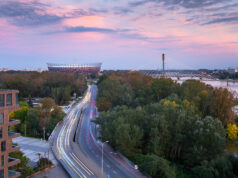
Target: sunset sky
122, 34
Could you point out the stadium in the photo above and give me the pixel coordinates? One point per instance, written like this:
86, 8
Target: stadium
77, 68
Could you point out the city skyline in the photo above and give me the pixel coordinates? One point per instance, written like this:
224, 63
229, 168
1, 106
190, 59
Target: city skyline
120, 34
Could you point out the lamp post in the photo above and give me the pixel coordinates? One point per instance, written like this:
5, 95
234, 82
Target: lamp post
44, 133
102, 155
25, 128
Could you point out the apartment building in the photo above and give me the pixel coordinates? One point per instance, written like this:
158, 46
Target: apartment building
8, 103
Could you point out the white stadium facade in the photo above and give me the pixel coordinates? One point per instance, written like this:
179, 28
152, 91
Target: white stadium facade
76, 68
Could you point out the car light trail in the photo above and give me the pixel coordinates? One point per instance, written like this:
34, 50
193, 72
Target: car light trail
77, 168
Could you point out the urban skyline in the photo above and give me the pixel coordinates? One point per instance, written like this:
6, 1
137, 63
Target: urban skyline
120, 34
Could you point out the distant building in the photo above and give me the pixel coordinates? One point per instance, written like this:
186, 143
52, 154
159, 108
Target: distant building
8, 103
77, 68
23, 70
232, 70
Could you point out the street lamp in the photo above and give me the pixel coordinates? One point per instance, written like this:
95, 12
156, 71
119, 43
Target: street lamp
102, 155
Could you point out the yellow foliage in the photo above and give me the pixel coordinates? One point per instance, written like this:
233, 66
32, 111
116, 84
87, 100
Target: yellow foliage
24, 108
174, 104
168, 102
232, 131
186, 104
12, 114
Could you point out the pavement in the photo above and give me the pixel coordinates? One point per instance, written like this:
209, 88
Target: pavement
31, 147
56, 172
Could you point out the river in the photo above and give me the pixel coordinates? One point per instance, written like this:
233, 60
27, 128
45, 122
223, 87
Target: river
231, 86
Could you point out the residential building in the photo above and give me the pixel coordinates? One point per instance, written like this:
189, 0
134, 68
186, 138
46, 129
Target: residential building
8, 103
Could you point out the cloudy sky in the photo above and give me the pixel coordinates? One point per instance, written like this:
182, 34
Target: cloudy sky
122, 34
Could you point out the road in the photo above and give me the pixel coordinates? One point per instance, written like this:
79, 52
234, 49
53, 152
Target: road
78, 150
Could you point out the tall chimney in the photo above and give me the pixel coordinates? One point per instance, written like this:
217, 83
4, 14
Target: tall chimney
163, 59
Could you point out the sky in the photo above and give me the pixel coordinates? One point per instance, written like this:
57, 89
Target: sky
122, 34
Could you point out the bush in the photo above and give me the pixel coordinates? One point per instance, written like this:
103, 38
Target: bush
44, 163
22, 167
158, 167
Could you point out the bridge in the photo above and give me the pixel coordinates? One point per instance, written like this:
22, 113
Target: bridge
196, 75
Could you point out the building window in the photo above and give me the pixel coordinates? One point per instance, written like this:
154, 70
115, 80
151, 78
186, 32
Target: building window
0, 132
16, 98
9, 99
3, 146
2, 160
2, 173
1, 100
1, 118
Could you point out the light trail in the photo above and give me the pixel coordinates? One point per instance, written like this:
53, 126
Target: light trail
63, 141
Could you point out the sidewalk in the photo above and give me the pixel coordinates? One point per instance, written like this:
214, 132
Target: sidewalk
32, 146
56, 172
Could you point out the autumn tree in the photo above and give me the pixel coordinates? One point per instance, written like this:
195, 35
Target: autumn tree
45, 112
222, 103
232, 131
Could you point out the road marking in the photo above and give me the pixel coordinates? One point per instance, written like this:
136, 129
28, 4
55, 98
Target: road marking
114, 172
82, 165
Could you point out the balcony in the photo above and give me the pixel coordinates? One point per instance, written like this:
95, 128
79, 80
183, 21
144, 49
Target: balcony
13, 122
15, 148
13, 174
11, 108
13, 134
13, 161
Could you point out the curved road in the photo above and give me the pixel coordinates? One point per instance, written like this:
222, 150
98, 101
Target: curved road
78, 150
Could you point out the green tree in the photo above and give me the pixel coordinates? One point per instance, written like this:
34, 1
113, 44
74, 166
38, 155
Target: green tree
158, 167
61, 95
103, 104
206, 140
128, 139
162, 88
22, 167
32, 122
45, 112
57, 116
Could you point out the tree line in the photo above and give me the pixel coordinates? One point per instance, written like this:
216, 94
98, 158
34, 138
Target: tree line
226, 75
37, 122
59, 86
168, 129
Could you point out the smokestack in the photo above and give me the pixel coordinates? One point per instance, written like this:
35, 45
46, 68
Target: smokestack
163, 59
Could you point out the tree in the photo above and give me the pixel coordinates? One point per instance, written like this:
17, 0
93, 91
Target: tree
57, 116
61, 95
128, 139
19, 83
22, 167
205, 140
20, 115
42, 84
32, 122
232, 131
103, 104
45, 112
115, 92
162, 88
222, 167
222, 103
165, 121
158, 167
